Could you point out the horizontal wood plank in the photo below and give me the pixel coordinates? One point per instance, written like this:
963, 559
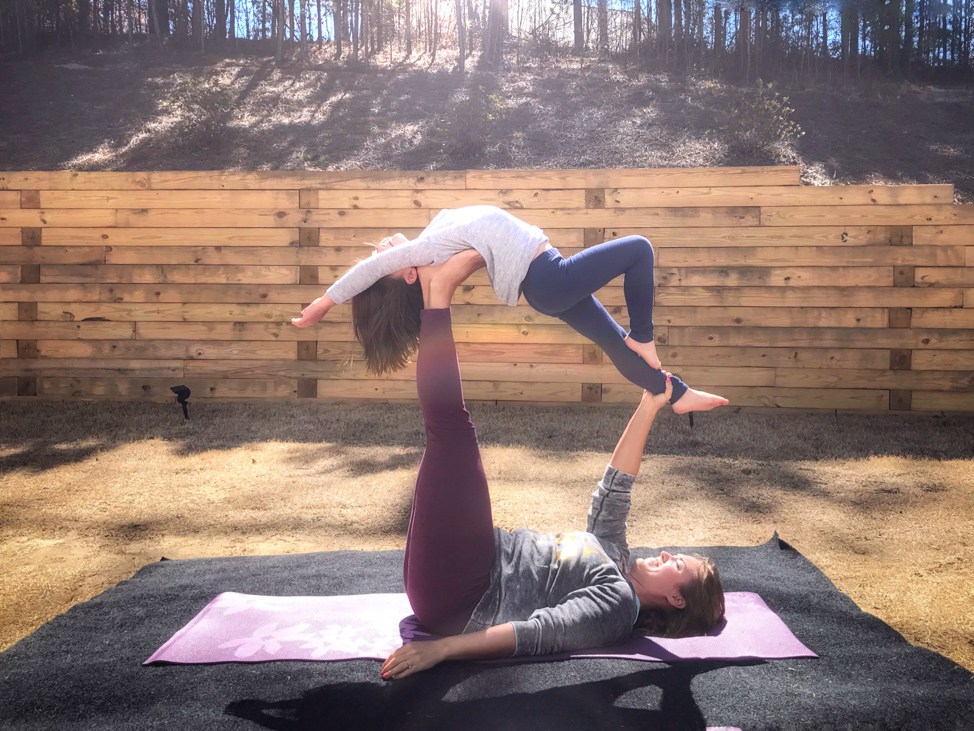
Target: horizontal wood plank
893, 379
900, 338
8, 348
944, 276
952, 235
169, 199
166, 349
759, 236
943, 360
882, 215
764, 316
168, 274
10, 237
277, 331
190, 293
837, 195
750, 276
93, 368
43, 218
800, 296
157, 389
943, 318
343, 256
52, 255
9, 273
172, 312
939, 401
812, 256
646, 178
149, 236
763, 357
9, 311
30, 330
514, 199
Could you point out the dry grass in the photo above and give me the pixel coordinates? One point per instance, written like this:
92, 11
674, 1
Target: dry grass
91, 492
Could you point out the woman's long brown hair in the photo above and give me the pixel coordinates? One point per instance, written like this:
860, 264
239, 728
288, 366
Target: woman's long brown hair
704, 608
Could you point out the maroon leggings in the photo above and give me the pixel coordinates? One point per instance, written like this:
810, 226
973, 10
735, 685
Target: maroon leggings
450, 545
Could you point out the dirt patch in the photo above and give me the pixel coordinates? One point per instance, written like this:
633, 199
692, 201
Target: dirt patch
91, 492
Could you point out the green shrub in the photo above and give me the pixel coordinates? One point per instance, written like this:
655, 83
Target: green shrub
469, 125
201, 104
760, 122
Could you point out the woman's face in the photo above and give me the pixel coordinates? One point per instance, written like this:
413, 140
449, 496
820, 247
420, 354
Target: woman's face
665, 575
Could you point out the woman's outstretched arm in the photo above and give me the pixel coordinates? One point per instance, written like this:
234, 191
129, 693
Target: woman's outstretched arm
628, 454
415, 657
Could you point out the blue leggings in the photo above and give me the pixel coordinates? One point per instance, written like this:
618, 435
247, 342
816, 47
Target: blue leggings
564, 288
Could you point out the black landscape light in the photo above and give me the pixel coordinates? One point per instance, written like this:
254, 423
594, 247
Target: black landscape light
182, 396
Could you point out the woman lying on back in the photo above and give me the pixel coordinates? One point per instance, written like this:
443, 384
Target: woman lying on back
497, 593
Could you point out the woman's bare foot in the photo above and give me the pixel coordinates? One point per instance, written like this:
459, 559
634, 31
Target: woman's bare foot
646, 351
694, 400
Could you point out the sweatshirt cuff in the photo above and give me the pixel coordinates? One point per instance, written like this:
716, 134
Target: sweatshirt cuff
616, 480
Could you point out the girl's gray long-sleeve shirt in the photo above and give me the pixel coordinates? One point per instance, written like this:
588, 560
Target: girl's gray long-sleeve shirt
506, 243
565, 591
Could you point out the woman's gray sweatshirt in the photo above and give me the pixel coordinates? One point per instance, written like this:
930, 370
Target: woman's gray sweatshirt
566, 591
506, 243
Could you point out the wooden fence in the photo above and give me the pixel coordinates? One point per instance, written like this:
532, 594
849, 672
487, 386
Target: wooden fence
120, 285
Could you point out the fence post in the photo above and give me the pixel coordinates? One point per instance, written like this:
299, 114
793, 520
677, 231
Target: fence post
901, 359
308, 274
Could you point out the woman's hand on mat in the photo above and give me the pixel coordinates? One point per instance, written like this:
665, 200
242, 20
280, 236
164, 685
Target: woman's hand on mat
412, 658
314, 312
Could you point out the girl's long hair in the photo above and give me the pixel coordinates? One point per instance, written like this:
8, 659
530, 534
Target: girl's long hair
704, 608
385, 319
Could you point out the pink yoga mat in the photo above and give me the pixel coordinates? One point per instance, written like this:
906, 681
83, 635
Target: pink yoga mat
247, 628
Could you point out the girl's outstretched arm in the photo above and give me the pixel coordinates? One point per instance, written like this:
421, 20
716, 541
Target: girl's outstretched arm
314, 312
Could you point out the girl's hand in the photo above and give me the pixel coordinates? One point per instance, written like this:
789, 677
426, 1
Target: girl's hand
313, 312
412, 658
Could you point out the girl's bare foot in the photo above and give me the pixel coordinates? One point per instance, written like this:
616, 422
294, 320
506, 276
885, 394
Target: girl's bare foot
646, 351
694, 400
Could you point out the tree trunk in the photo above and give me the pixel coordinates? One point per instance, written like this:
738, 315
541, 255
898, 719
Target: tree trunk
637, 28
579, 43
603, 44
279, 30
409, 28
461, 38
219, 22
663, 31
339, 20
198, 23
495, 34
678, 50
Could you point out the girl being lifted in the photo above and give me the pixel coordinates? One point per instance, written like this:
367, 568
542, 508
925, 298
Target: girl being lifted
386, 291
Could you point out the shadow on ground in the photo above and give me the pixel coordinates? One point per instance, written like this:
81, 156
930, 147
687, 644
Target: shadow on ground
39, 436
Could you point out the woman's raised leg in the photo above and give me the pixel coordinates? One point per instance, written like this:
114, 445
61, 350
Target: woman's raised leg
450, 544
